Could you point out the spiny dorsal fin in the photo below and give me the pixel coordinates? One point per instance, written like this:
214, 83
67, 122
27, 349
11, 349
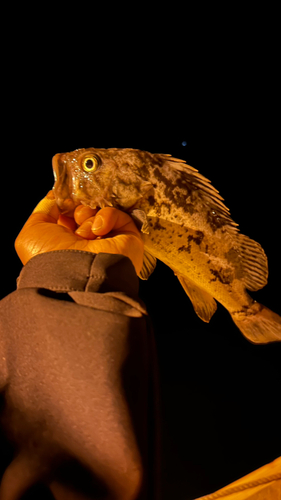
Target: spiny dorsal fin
209, 195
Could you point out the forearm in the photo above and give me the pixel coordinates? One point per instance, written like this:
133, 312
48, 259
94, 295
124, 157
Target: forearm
80, 353
73, 271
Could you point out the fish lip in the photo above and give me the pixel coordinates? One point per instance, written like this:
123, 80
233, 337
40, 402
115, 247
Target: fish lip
58, 166
67, 207
63, 198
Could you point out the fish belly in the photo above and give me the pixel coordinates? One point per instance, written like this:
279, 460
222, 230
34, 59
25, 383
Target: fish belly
209, 262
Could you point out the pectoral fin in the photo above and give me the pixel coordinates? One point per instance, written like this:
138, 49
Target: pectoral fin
140, 219
149, 263
204, 304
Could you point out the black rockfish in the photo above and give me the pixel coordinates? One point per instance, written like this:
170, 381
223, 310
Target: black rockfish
184, 223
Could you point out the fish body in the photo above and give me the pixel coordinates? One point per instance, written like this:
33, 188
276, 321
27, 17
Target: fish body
183, 222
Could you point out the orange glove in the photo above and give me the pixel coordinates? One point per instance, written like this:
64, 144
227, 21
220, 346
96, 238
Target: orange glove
47, 230
261, 484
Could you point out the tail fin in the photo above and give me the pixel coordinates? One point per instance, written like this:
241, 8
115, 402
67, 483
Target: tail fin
259, 324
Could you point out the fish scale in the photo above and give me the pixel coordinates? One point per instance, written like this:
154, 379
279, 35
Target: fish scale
183, 222
191, 252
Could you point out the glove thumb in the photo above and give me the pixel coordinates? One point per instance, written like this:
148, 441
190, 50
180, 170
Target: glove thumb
48, 206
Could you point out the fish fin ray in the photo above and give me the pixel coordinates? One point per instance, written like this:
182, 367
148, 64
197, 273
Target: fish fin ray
148, 266
140, 219
254, 262
261, 327
203, 303
209, 195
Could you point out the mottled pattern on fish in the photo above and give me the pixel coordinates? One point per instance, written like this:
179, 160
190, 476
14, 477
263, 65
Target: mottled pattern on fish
184, 223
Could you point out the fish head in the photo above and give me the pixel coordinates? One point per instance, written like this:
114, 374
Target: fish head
97, 178
82, 176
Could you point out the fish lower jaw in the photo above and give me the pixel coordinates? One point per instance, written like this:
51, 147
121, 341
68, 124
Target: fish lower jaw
66, 206
101, 203
105, 203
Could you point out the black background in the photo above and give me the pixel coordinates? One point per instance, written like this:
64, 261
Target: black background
220, 394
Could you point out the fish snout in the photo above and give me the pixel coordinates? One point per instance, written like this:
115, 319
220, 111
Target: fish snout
58, 167
62, 189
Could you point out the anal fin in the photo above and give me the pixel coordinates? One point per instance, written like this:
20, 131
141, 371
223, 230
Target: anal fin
204, 304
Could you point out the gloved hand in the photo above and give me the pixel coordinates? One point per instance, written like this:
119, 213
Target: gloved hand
47, 230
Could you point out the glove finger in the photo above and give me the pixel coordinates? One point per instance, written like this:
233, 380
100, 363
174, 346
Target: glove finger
110, 219
82, 213
67, 222
85, 230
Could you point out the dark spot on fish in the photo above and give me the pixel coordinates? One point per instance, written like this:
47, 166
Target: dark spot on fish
206, 249
177, 197
184, 248
208, 261
199, 237
158, 226
159, 175
168, 191
180, 235
196, 239
223, 275
189, 208
145, 169
215, 221
151, 200
216, 274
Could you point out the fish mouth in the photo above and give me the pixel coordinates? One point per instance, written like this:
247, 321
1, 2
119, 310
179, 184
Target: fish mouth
62, 186
58, 167
63, 190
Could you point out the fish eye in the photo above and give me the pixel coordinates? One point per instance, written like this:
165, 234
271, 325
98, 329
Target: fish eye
90, 163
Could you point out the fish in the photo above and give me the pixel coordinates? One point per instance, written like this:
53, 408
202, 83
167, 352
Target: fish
183, 222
